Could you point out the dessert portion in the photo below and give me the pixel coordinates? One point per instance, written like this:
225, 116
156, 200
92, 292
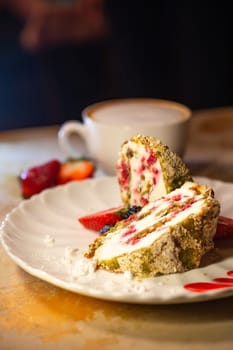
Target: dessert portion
147, 170
166, 236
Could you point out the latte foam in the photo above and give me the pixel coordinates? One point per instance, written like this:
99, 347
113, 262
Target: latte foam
137, 112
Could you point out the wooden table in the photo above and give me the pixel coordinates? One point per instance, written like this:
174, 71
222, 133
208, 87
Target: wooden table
37, 315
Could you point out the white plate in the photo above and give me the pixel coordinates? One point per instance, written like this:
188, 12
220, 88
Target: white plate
42, 233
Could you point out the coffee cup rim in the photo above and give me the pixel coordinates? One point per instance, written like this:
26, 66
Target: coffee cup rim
88, 111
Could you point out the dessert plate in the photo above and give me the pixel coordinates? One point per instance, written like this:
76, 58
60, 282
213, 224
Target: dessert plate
43, 236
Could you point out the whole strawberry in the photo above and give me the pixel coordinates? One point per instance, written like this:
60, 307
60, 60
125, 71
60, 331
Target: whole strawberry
75, 170
38, 178
224, 228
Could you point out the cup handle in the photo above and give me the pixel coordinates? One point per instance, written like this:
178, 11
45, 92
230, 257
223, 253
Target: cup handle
64, 134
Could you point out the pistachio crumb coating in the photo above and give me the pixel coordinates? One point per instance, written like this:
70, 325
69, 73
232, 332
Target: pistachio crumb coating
166, 236
147, 169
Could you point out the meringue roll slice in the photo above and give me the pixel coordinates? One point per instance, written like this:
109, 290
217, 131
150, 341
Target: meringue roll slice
166, 236
147, 170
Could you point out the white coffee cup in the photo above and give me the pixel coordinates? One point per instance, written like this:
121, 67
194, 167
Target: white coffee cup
106, 125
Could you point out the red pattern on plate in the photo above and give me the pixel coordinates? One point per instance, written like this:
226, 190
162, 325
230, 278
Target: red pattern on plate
218, 283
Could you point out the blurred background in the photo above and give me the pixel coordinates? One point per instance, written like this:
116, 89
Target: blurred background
57, 57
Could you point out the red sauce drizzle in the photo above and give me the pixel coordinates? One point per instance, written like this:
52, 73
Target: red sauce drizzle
218, 283
223, 280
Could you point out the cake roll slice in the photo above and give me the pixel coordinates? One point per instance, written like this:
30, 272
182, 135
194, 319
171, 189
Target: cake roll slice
166, 236
147, 170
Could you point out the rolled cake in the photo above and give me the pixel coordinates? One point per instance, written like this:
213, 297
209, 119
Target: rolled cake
147, 170
166, 236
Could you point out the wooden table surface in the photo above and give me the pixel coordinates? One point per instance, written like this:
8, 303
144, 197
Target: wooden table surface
37, 315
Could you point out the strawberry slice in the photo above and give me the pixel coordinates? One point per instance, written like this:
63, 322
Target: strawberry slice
224, 228
98, 220
38, 178
75, 169
106, 218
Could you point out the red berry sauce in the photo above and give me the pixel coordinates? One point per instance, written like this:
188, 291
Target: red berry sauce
218, 283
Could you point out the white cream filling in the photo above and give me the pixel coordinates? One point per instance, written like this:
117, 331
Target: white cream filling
116, 244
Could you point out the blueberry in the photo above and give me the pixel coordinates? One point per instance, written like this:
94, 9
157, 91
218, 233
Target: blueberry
132, 210
105, 228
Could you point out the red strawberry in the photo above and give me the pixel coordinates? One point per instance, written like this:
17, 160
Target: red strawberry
37, 178
75, 169
224, 228
98, 220
102, 220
